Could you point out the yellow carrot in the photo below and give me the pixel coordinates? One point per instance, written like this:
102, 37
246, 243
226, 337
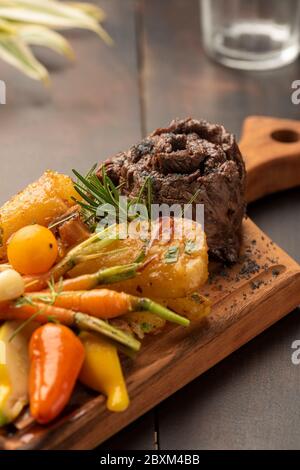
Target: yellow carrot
102, 371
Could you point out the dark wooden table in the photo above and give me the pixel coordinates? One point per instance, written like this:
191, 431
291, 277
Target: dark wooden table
104, 103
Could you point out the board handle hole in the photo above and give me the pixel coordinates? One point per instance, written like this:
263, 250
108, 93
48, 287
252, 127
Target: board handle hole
286, 136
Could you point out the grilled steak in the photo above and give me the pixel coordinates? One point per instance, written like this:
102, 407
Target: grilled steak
185, 159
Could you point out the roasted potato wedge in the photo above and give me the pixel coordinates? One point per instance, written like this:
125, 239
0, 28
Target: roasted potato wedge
142, 323
40, 203
195, 306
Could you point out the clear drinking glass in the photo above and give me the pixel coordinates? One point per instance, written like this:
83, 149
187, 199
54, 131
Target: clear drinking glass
251, 34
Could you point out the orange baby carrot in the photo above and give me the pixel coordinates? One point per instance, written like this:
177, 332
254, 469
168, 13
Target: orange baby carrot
86, 281
105, 304
101, 303
39, 311
56, 357
43, 312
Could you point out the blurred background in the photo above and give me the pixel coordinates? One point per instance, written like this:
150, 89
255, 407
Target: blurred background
166, 62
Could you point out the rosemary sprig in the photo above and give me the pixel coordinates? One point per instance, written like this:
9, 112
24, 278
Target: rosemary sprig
194, 196
140, 198
191, 201
49, 298
61, 221
149, 196
96, 192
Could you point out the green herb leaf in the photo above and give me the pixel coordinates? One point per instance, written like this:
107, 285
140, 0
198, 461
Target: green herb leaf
172, 254
197, 298
191, 247
146, 327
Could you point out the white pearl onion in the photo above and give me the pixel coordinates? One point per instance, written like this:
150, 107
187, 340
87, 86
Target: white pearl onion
11, 285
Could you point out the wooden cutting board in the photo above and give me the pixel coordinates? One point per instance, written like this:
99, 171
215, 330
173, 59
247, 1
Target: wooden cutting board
247, 298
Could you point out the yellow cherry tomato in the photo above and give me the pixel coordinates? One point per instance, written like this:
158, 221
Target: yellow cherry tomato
32, 250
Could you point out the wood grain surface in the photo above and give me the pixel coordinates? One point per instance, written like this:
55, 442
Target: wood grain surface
246, 299
271, 150
155, 72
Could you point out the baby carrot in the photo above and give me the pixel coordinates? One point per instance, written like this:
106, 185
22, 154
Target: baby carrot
86, 281
105, 303
43, 313
102, 277
101, 303
39, 311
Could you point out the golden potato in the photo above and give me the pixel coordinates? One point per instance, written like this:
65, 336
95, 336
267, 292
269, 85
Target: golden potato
142, 323
195, 306
39, 203
178, 265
